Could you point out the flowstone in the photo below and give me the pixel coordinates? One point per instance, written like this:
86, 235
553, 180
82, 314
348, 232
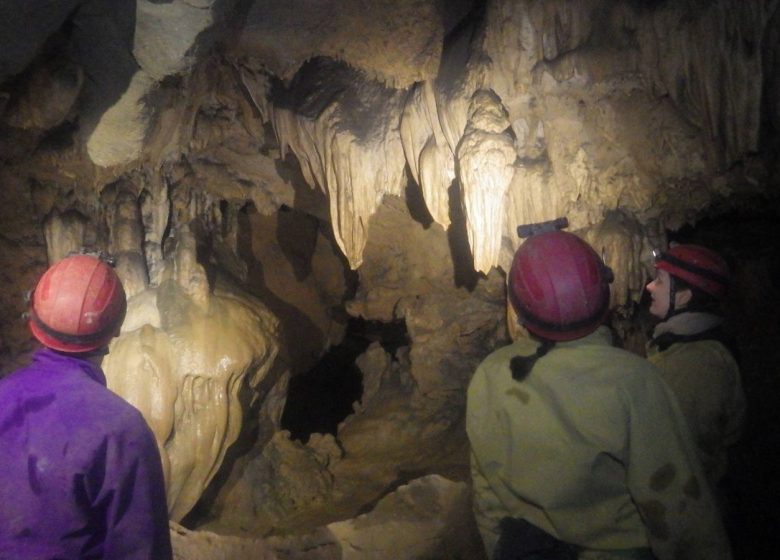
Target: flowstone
186, 358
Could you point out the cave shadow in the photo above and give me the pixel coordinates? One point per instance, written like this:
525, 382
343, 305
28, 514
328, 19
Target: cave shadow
296, 234
321, 398
103, 37
462, 259
415, 202
749, 240
294, 325
96, 37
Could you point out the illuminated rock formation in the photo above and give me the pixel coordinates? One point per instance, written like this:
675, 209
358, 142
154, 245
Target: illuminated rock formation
253, 141
344, 131
184, 357
486, 157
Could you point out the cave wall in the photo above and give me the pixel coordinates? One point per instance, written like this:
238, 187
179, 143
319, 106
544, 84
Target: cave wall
321, 162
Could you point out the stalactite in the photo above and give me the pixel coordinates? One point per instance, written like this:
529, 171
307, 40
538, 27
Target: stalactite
126, 242
623, 245
486, 157
155, 208
428, 154
345, 135
64, 234
723, 97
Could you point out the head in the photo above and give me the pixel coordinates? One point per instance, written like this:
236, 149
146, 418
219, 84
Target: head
78, 305
559, 286
687, 278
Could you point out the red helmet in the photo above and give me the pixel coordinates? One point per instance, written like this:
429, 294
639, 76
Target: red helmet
78, 305
559, 286
698, 266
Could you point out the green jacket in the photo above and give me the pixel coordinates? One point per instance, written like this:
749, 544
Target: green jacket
592, 448
706, 381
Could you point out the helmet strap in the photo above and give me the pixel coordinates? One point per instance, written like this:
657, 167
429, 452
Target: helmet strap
672, 297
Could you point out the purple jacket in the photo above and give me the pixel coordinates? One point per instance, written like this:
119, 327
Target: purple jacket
80, 473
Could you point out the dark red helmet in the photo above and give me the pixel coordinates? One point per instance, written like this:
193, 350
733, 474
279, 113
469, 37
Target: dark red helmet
698, 266
78, 305
559, 286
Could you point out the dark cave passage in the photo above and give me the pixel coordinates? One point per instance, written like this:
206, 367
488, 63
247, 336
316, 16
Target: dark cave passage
748, 239
319, 399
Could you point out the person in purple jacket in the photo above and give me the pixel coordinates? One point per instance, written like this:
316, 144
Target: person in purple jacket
80, 471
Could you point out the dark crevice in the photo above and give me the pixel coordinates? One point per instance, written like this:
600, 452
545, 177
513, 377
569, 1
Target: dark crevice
319, 399
415, 202
457, 236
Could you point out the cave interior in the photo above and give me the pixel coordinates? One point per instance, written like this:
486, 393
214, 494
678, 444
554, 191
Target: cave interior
313, 206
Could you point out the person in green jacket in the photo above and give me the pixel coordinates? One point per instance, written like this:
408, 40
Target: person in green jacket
694, 354
579, 449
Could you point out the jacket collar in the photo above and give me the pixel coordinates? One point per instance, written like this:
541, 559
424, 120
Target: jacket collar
688, 323
51, 359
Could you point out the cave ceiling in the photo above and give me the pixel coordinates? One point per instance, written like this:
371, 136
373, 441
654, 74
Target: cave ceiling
533, 109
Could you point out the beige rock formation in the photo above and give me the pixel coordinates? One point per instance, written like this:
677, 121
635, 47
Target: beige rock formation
410, 414
486, 156
184, 358
345, 134
426, 518
397, 43
405, 135
204, 545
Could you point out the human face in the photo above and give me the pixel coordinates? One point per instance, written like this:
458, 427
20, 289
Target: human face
659, 289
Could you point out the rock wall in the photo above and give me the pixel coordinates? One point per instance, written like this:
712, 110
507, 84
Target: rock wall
404, 142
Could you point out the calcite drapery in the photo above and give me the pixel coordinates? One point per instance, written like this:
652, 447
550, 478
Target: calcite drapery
429, 156
580, 82
486, 154
183, 358
344, 131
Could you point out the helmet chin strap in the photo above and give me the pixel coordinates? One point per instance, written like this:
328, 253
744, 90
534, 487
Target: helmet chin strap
672, 297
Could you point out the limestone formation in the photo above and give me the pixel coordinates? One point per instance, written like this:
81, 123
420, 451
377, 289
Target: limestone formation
184, 358
410, 415
344, 131
430, 158
397, 43
486, 157
579, 82
426, 518
64, 234
265, 170
204, 545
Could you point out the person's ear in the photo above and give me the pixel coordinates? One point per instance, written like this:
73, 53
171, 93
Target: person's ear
682, 298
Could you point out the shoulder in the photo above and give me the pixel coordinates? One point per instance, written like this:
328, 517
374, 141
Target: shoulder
596, 354
88, 401
698, 354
